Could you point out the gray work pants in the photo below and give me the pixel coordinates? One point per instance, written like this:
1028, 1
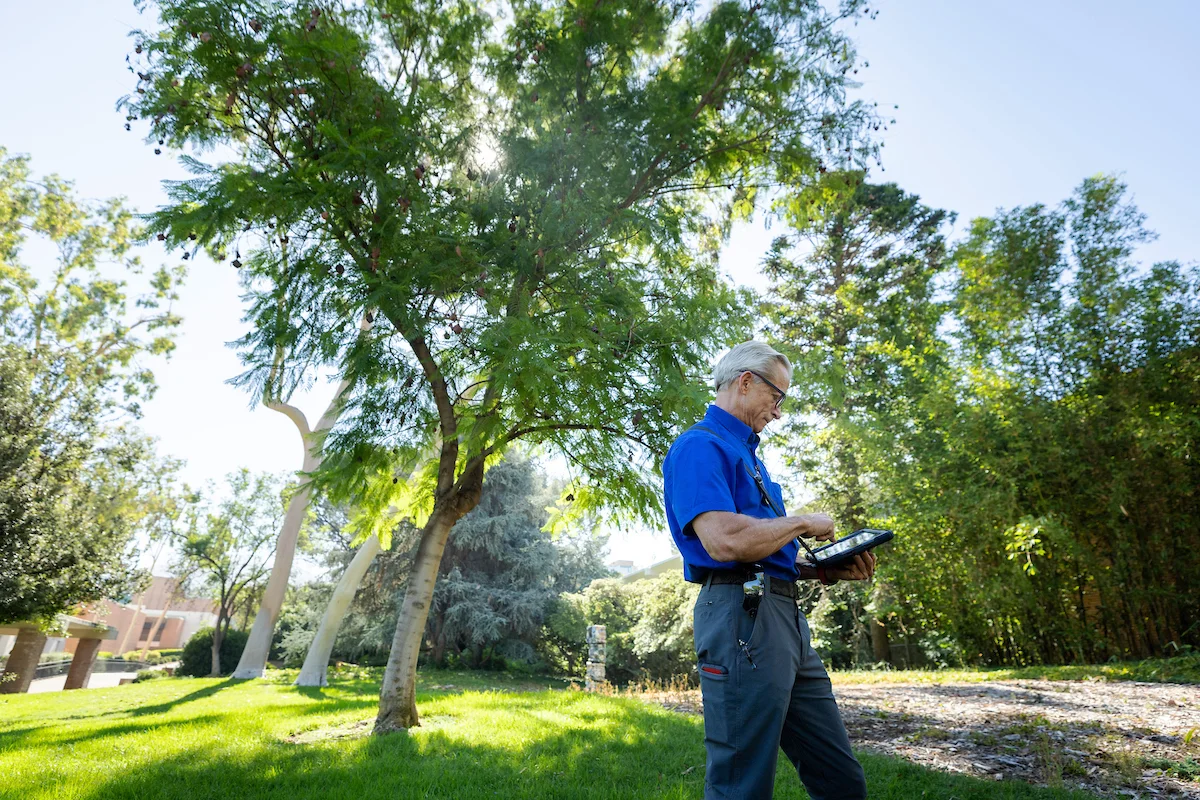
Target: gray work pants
765, 688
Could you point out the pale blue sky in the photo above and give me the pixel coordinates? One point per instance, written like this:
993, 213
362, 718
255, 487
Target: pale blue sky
1001, 104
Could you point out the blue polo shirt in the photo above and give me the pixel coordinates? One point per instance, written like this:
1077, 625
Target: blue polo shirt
713, 470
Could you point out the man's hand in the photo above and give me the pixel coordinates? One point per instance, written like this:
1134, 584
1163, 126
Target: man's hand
820, 527
859, 568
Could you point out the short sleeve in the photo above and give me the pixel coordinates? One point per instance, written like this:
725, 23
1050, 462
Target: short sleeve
699, 479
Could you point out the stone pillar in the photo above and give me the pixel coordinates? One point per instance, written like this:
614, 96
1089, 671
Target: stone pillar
596, 636
22, 661
82, 663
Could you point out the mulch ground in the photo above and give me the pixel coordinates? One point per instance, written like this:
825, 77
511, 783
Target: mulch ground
1115, 739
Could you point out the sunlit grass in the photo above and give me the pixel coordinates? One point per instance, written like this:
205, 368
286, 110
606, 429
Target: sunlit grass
488, 736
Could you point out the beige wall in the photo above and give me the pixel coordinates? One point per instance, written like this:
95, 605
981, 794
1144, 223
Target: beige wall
122, 617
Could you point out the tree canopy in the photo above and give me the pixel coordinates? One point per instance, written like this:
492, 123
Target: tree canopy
1021, 408
530, 198
76, 484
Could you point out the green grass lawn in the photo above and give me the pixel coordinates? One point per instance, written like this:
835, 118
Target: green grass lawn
488, 736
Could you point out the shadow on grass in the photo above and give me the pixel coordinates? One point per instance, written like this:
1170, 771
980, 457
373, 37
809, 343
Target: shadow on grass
571, 748
199, 694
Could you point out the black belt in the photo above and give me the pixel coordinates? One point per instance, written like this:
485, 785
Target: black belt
774, 585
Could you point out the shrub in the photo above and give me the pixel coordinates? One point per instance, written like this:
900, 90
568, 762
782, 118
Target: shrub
648, 625
196, 658
149, 675
154, 656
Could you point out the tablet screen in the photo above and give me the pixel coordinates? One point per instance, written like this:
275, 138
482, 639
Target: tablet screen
832, 551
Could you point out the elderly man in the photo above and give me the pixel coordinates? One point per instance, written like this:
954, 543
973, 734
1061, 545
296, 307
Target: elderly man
764, 686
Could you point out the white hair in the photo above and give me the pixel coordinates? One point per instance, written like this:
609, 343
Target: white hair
747, 356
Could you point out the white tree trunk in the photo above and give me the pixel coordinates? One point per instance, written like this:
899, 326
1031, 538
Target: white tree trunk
254, 658
316, 663
137, 615
158, 624
398, 698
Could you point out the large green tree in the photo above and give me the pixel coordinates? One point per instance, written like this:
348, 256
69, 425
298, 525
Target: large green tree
1028, 433
531, 198
852, 302
1065, 463
76, 487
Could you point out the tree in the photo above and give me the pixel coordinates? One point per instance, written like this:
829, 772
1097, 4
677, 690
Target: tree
52, 481
649, 628
852, 301
254, 657
1064, 474
72, 369
524, 205
231, 546
1028, 438
501, 570
84, 345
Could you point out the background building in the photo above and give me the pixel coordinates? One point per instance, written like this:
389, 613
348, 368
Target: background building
159, 619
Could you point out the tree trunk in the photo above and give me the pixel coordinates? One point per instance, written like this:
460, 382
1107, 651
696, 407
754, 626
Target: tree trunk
258, 646
216, 651
254, 658
156, 629
438, 655
316, 663
398, 698
120, 650
880, 648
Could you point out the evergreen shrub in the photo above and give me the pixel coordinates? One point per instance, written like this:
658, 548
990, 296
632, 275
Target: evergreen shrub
196, 658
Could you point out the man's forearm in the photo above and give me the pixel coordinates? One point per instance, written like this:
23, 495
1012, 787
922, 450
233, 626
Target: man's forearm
736, 537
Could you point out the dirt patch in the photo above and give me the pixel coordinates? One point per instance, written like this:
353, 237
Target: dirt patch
350, 730
1115, 739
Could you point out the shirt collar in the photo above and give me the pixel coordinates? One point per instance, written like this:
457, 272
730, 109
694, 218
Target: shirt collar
740, 430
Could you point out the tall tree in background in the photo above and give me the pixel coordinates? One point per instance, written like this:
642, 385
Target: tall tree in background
501, 569
1066, 468
852, 303
230, 547
1030, 436
534, 206
74, 352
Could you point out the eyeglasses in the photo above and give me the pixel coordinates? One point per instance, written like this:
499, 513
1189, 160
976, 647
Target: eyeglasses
781, 392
